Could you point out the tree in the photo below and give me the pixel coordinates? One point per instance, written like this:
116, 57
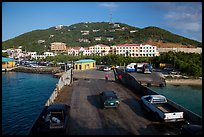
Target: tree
4, 54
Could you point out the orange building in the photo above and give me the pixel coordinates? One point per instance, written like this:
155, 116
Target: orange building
58, 46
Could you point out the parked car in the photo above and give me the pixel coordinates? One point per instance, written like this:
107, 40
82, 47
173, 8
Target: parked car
54, 119
191, 129
107, 68
101, 68
109, 99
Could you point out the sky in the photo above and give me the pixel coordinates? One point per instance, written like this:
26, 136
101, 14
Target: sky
181, 18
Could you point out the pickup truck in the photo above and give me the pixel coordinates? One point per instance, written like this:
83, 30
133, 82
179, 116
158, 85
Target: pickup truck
159, 106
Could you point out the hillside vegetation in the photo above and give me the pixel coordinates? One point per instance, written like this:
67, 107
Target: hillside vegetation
72, 34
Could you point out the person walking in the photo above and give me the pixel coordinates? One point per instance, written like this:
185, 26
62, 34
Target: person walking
119, 77
106, 77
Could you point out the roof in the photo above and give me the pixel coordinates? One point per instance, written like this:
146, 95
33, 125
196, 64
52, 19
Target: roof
128, 45
84, 60
4, 59
102, 45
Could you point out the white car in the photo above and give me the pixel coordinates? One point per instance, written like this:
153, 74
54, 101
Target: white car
106, 68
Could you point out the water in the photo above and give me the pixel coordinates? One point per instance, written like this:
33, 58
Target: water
188, 96
23, 98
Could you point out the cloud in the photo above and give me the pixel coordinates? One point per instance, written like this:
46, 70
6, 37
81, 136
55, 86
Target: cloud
109, 5
184, 16
184, 21
187, 16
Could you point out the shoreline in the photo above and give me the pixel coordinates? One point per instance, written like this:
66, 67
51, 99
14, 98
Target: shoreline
184, 82
43, 70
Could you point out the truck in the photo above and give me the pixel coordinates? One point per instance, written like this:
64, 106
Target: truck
161, 108
131, 67
140, 67
147, 68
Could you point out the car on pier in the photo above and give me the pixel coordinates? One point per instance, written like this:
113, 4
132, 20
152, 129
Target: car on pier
54, 119
109, 99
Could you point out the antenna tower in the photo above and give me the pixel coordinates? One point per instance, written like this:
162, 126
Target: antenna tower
111, 17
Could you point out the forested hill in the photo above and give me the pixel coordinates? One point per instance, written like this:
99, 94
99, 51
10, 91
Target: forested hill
88, 34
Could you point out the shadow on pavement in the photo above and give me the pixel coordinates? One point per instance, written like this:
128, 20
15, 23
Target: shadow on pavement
95, 101
138, 109
110, 128
158, 129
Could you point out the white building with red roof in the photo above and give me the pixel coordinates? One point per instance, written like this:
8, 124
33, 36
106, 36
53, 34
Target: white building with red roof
135, 50
100, 49
132, 50
73, 51
84, 51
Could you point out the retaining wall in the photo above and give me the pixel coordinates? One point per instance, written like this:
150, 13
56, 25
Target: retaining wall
137, 88
65, 79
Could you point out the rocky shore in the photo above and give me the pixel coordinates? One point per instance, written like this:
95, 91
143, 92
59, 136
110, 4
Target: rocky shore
184, 81
42, 70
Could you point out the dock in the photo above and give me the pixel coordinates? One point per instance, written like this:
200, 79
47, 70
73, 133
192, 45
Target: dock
87, 117
153, 79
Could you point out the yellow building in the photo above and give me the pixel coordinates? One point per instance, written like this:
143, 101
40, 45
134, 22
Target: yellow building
8, 62
84, 64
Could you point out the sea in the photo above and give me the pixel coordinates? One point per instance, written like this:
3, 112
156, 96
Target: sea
23, 98
188, 96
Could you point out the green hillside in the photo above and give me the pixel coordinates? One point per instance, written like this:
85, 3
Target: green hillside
72, 34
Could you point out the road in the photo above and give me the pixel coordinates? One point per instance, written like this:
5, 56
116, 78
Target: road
87, 118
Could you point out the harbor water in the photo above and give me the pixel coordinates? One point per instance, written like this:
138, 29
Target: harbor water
188, 96
23, 98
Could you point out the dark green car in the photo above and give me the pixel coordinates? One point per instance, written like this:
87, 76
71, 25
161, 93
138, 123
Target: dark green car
109, 99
